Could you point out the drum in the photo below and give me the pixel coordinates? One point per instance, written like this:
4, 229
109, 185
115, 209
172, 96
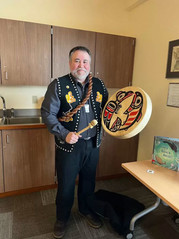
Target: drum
127, 112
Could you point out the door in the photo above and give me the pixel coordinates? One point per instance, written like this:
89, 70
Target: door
29, 158
25, 53
64, 39
114, 59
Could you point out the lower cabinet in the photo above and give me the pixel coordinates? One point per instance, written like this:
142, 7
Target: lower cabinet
1, 166
114, 152
29, 158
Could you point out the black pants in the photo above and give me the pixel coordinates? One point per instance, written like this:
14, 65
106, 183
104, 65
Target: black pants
81, 161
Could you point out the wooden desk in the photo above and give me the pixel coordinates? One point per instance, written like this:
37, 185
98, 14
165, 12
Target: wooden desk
164, 183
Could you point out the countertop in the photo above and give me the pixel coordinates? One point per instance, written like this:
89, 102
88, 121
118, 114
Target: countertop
22, 126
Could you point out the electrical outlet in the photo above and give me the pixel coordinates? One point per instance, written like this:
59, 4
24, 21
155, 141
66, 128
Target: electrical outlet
34, 99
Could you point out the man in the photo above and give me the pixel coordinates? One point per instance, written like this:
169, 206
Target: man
70, 104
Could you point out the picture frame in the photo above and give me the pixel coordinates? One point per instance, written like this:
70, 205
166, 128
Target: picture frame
173, 60
173, 95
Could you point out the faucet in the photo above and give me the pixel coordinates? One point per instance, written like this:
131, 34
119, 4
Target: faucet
4, 106
12, 112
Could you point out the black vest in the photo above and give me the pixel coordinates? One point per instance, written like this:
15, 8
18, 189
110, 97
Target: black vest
70, 98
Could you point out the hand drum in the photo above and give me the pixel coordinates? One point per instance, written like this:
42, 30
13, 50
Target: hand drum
127, 112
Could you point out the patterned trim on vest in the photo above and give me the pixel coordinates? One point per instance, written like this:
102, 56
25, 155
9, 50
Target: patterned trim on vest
69, 147
99, 131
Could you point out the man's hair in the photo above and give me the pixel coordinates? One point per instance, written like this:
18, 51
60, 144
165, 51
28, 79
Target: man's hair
79, 48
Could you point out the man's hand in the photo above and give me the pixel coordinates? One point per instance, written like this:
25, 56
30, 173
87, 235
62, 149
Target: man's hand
72, 138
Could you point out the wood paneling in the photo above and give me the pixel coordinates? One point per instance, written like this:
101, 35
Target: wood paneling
1, 166
29, 158
114, 152
64, 39
114, 59
25, 51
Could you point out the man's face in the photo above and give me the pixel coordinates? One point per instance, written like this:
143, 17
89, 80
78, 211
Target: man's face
80, 65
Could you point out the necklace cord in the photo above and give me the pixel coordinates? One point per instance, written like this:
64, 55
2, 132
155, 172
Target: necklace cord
69, 115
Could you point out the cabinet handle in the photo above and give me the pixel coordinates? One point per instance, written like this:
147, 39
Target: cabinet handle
5, 72
6, 75
7, 139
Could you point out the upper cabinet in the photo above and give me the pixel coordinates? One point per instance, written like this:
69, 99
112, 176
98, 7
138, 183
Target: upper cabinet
114, 59
64, 39
32, 54
25, 53
112, 55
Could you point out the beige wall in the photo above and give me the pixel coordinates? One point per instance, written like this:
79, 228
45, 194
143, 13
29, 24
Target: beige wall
94, 15
154, 23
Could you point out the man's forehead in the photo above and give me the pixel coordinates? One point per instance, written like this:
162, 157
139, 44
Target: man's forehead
79, 53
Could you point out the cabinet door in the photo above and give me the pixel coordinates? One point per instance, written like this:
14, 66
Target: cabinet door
114, 152
64, 39
25, 51
1, 167
29, 158
114, 59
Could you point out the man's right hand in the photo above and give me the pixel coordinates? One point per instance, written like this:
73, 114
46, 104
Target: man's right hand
72, 138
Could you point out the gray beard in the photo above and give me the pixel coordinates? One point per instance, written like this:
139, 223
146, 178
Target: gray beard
80, 78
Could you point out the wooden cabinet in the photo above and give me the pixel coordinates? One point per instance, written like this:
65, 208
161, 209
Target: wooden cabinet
29, 159
1, 167
112, 55
114, 152
64, 39
30, 55
25, 53
114, 59
114, 65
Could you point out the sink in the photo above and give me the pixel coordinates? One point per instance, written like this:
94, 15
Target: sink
21, 120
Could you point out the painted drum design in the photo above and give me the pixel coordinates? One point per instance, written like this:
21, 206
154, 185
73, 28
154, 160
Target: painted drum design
127, 112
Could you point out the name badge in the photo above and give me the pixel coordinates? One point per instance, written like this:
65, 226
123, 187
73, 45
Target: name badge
87, 108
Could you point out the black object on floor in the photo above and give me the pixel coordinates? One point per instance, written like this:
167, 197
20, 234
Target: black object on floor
118, 208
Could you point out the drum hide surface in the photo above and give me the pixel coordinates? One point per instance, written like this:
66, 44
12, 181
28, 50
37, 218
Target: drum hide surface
127, 112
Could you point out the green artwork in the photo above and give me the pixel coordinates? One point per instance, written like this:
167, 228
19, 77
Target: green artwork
166, 152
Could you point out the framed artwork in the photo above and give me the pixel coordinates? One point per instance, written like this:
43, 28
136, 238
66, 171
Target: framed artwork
173, 60
173, 95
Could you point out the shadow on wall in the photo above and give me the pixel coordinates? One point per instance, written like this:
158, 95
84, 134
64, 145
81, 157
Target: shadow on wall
39, 103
